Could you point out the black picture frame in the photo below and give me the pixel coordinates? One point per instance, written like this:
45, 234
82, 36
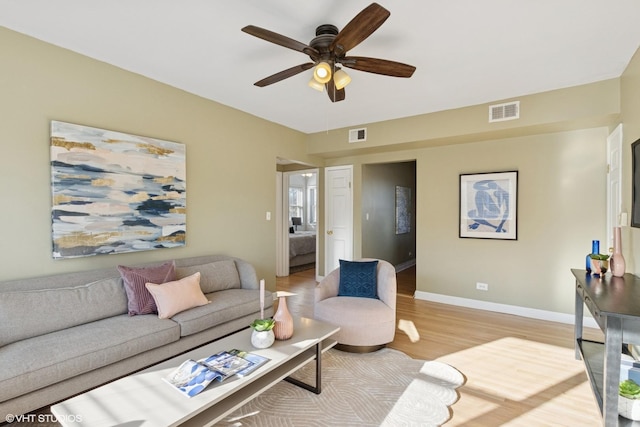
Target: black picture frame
635, 207
489, 205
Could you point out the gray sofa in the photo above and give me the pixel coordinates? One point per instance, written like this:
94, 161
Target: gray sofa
64, 334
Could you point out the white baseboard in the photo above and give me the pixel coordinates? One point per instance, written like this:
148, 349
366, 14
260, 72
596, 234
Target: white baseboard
504, 308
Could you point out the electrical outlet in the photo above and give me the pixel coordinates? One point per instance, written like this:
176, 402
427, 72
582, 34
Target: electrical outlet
482, 286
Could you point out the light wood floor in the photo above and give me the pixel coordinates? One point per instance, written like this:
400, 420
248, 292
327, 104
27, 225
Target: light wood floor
519, 371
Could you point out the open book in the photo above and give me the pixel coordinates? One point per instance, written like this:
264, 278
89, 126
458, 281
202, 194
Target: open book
192, 376
255, 359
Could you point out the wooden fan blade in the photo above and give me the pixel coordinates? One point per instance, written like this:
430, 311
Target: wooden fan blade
335, 95
378, 66
359, 28
275, 78
281, 40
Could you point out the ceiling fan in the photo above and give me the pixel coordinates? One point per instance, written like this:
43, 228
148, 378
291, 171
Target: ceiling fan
329, 48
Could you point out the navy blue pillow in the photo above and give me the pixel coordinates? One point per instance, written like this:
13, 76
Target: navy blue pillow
358, 279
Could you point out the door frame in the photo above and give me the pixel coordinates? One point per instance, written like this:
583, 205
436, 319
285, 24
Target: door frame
282, 243
614, 185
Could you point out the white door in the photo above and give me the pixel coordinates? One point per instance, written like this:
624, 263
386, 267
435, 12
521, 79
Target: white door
614, 188
338, 216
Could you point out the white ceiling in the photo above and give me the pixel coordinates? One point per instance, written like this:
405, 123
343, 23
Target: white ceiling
466, 52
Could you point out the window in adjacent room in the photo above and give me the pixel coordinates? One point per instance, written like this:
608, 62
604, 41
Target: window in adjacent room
296, 202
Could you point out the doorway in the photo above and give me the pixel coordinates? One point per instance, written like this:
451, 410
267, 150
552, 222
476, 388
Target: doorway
389, 200
297, 216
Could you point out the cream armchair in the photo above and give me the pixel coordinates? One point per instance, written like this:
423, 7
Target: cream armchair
366, 324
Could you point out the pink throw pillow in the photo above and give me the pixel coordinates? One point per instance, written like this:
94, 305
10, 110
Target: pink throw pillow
173, 297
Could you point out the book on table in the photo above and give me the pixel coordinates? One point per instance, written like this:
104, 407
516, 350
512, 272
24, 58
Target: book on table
255, 361
193, 376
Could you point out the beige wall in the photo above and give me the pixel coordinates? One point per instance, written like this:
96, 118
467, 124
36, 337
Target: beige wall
230, 181
561, 178
592, 105
558, 147
630, 106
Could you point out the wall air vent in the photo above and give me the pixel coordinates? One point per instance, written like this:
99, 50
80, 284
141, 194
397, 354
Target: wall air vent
357, 135
502, 112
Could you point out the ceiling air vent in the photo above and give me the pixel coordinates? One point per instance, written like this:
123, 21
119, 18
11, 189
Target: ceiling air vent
502, 112
357, 135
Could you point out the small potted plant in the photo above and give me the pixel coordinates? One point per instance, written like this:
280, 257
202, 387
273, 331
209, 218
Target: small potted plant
629, 400
599, 264
262, 335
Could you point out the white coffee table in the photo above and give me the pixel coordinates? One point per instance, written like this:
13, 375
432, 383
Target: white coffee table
144, 399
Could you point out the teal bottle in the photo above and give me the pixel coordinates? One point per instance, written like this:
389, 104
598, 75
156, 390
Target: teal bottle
595, 249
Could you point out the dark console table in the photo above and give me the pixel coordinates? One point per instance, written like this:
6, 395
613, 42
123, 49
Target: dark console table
614, 303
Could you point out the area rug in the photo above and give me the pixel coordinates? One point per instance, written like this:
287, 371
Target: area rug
384, 388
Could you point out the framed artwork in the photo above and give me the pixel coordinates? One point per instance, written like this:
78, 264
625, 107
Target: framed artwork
635, 185
114, 193
488, 205
403, 210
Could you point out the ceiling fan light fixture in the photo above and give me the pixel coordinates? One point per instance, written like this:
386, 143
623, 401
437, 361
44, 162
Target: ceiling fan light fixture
341, 79
315, 85
322, 72
329, 49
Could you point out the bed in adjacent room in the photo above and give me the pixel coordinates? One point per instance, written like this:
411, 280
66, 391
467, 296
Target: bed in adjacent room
302, 249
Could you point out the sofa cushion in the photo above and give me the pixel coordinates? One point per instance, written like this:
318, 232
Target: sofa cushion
54, 357
215, 276
173, 297
56, 309
358, 279
225, 306
140, 300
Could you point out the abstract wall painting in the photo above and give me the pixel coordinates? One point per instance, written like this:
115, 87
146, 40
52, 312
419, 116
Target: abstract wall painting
488, 205
115, 193
403, 210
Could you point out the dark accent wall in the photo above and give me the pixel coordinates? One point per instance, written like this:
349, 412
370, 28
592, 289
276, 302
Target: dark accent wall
379, 238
